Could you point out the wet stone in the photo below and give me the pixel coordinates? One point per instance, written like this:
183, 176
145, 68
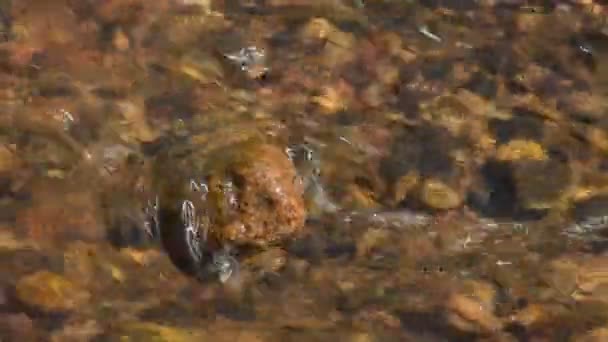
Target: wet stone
201, 67
473, 308
269, 203
8, 160
334, 98
425, 173
50, 292
316, 29
270, 261
54, 218
562, 275
86, 265
246, 197
438, 195
592, 280
520, 149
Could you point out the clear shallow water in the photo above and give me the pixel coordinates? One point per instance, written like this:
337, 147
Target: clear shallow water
456, 176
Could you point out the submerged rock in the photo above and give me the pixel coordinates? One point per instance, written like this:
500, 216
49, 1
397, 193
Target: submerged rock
473, 308
50, 292
56, 218
439, 195
252, 197
265, 204
232, 200
425, 168
592, 280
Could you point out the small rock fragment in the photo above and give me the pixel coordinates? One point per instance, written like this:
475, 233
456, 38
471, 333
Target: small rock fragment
361, 337
473, 309
120, 41
334, 97
316, 29
438, 195
517, 149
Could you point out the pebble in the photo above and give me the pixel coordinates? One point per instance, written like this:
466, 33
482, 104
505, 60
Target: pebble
50, 292
53, 218
8, 159
361, 337
438, 195
472, 309
592, 280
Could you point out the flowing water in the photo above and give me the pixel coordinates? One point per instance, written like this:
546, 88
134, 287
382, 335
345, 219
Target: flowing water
372, 170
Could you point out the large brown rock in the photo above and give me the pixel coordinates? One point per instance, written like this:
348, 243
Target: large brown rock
256, 196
